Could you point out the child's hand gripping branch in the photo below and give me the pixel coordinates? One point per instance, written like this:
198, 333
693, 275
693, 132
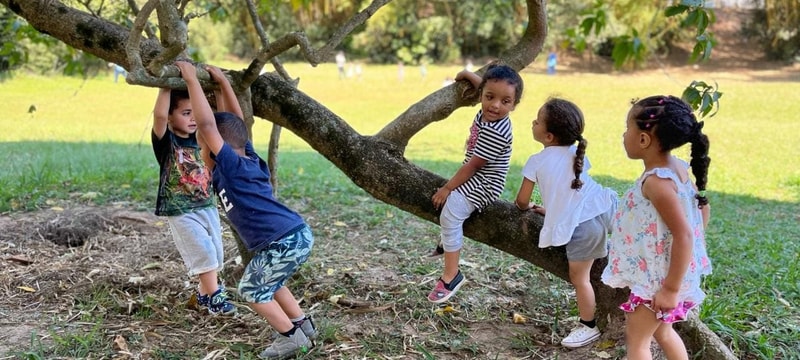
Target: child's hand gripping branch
278, 237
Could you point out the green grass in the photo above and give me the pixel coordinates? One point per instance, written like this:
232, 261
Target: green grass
89, 141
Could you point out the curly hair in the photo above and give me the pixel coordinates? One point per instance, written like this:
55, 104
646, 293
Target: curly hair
499, 71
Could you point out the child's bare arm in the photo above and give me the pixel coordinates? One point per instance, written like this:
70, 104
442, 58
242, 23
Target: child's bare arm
461, 176
662, 193
161, 113
471, 76
523, 200
203, 116
227, 100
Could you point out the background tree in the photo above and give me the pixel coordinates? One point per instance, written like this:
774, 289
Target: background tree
365, 159
778, 25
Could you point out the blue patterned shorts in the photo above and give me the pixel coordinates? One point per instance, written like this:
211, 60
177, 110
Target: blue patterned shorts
271, 267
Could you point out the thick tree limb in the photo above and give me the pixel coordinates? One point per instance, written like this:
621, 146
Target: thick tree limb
366, 160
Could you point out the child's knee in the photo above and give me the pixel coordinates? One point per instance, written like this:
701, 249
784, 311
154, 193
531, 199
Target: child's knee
450, 244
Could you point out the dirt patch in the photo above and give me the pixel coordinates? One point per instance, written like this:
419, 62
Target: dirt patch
122, 290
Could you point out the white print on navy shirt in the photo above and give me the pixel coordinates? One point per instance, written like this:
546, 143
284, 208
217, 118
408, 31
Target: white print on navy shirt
226, 205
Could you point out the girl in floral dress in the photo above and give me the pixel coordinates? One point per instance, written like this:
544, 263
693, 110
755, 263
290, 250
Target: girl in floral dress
657, 248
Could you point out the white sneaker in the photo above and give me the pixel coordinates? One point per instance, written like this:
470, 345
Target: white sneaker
581, 335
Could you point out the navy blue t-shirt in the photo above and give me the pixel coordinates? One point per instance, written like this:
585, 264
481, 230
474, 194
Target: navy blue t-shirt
245, 194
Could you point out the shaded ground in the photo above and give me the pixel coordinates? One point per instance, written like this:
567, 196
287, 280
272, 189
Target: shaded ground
109, 280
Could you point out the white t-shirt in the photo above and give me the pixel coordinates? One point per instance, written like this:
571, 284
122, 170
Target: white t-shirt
552, 170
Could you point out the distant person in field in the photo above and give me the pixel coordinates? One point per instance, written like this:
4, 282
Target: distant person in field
552, 61
482, 175
341, 61
185, 197
401, 71
577, 209
118, 70
277, 236
658, 247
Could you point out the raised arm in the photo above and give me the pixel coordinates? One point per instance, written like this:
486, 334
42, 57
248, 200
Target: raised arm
203, 116
161, 113
226, 98
471, 76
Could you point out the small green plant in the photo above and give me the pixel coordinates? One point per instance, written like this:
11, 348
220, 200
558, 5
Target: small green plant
80, 342
36, 352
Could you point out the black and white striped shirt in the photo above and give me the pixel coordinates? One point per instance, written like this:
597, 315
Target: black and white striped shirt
490, 141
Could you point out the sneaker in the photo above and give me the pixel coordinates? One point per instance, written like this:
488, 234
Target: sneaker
217, 303
442, 292
285, 347
436, 253
308, 328
202, 300
581, 335
306, 325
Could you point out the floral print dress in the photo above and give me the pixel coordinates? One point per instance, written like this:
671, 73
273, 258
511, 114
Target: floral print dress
641, 244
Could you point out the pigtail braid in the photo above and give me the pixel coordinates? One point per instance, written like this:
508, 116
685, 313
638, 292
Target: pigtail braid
564, 120
577, 166
700, 162
672, 121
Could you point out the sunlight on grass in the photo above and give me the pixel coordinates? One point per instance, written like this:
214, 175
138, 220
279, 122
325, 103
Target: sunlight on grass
65, 137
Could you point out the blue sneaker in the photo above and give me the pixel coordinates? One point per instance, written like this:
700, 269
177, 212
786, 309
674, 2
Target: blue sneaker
217, 303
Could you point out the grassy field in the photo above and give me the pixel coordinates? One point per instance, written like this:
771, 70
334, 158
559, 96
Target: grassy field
89, 141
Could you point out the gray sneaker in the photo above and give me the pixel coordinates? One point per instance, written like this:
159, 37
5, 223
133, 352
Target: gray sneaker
308, 328
286, 347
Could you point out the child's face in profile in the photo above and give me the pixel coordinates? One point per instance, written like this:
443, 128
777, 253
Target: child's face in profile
539, 127
631, 137
497, 99
181, 119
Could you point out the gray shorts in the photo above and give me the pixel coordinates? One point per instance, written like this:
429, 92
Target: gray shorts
198, 237
589, 241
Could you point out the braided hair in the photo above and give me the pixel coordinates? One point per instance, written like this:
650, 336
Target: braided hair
564, 120
673, 123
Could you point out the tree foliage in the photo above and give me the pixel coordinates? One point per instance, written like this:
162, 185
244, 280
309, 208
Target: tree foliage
779, 25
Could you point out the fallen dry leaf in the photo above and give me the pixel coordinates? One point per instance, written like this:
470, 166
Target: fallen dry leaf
120, 344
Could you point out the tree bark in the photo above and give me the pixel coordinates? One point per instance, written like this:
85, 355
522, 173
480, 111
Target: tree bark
367, 160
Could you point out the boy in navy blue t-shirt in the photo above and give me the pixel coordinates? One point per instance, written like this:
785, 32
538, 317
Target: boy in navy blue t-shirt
278, 237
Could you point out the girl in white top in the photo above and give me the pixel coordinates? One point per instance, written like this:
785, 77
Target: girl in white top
577, 209
658, 247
